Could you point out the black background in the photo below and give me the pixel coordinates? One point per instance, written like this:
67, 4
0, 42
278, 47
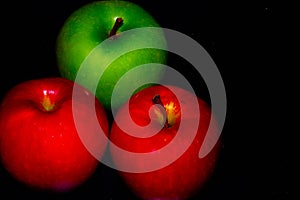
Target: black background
239, 36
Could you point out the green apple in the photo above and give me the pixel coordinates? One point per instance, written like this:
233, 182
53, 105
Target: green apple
105, 38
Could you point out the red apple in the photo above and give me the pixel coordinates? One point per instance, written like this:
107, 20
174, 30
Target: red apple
155, 144
39, 141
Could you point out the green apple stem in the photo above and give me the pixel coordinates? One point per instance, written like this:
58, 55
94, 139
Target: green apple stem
117, 25
157, 100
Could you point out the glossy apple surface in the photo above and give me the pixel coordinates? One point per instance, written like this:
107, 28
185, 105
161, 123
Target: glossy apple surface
39, 142
85, 29
177, 180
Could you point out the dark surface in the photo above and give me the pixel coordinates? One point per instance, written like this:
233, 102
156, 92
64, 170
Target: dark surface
253, 161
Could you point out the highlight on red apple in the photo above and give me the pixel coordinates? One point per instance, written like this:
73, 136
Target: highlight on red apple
164, 165
39, 141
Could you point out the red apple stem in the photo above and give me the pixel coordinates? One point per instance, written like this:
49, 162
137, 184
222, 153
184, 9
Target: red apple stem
157, 100
117, 25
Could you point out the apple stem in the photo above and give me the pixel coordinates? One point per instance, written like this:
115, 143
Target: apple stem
157, 100
117, 25
47, 105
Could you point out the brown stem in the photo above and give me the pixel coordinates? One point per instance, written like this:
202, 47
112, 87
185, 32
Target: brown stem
117, 25
157, 100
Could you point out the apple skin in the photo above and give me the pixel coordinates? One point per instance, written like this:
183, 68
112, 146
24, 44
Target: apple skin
39, 143
89, 26
184, 177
